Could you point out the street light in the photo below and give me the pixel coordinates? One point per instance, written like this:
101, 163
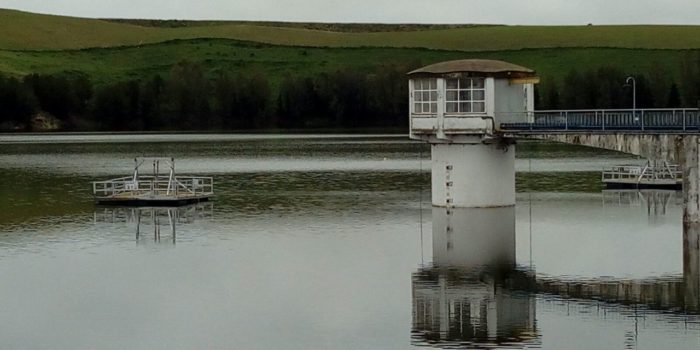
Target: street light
634, 94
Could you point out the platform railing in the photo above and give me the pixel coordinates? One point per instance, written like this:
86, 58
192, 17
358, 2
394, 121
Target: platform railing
649, 119
154, 186
643, 173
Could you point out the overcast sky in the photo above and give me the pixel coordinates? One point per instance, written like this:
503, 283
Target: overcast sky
390, 11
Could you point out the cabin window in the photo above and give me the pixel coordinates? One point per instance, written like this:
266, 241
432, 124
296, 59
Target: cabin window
425, 96
465, 95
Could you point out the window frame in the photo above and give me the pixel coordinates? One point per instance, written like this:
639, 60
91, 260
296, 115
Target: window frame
459, 102
432, 91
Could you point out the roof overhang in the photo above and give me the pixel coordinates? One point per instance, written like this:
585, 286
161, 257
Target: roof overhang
526, 80
474, 68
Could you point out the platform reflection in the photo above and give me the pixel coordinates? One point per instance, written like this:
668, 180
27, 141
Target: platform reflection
154, 223
656, 202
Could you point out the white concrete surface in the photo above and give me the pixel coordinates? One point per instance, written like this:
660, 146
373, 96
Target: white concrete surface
473, 175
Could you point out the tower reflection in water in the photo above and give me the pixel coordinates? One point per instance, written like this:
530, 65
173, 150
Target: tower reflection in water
473, 295
691, 268
154, 223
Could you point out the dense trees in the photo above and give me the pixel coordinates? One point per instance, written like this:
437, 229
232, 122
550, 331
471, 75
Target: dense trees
240, 102
61, 96
118, 107
690, 80
345, 98
186, 100
189, 98
606, 87
17, 104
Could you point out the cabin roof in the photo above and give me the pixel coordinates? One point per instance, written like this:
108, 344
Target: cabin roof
489, 68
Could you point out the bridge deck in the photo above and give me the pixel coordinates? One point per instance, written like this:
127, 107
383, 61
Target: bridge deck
685, 120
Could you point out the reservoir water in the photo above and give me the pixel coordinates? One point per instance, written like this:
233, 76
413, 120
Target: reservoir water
330, 242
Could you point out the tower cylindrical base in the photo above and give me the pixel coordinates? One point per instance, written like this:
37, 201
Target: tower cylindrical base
473, 175
474, 238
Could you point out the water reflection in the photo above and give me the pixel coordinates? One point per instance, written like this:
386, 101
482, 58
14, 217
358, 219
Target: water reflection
473, 295
656, 202
669, 294
691, 267
346, 233
153, 223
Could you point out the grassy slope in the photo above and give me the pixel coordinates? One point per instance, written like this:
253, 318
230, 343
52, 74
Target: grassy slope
111, 64
49, 44
28, 31
324, 26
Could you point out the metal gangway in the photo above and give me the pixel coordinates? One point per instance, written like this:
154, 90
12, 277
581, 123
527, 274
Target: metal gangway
157, 188
637, 120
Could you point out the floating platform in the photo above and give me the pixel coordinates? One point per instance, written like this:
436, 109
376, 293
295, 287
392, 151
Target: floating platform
664, 176
153, 190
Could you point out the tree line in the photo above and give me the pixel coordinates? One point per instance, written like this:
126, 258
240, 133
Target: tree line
610, 88
189, 99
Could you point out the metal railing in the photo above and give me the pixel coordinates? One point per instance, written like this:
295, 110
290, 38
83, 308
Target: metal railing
682, 119
151, 186
641, 174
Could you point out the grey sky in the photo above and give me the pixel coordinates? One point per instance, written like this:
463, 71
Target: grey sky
413, 11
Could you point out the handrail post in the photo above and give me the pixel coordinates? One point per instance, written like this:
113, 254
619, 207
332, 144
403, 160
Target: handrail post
602, 113
684, 120
673, 116
642, 119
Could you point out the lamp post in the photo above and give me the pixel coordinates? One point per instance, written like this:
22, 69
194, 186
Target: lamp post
634, 95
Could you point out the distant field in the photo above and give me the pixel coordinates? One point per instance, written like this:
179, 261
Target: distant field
117, 50
332, 27
28, 31
115, 64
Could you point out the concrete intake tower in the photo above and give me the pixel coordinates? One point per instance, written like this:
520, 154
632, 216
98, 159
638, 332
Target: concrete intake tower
458, 107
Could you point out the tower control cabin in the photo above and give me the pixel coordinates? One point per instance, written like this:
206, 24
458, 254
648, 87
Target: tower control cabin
457, 106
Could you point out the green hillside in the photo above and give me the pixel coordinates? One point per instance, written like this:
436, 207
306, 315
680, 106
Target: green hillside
117, 64
28, 31
117, 50
65, 73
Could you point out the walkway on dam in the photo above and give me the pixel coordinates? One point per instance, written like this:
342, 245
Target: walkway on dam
656, 121
670, 135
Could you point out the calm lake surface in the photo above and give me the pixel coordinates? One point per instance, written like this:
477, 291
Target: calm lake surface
330, 242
